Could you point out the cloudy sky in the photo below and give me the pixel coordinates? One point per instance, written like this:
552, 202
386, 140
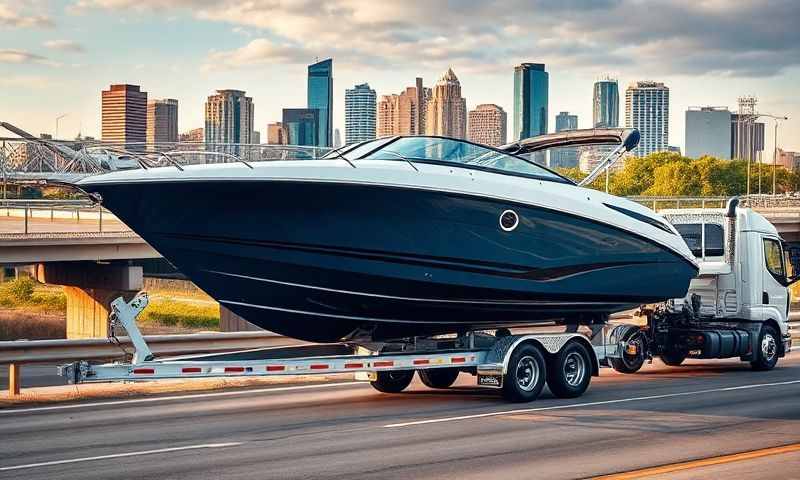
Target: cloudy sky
56, 56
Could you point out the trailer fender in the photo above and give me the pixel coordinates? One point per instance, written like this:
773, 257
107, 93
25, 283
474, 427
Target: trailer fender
550, 344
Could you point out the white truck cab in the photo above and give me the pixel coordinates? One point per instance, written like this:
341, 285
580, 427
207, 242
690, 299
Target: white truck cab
737, 306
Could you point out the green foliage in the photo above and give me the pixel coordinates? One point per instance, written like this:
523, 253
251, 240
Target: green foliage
177, 314
670, 174
17, 291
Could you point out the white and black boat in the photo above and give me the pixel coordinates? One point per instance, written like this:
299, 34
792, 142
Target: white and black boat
404, 236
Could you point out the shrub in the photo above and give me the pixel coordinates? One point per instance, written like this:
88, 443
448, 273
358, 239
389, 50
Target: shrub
17, 291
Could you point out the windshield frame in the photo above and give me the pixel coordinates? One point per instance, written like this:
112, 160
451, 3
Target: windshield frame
557, 177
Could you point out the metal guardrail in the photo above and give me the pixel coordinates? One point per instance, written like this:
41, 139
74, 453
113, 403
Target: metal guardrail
18, 352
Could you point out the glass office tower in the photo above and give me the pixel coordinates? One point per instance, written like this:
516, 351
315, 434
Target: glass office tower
531, 84
301, 126
320, 97
605, 104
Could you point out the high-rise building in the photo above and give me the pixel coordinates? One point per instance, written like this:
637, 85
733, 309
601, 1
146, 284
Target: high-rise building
403, 114
255, 137
337, 138
708, 132
605, 104
446, 112
788, 160
359, 114
194, 135
531, 84
276, 134
487, 125
320, 97
647, 109
162, 121
229, 117
564, 157
124, 116
301, 126
747, 135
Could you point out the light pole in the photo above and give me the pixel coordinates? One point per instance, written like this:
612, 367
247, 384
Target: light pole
777, 119
57, 119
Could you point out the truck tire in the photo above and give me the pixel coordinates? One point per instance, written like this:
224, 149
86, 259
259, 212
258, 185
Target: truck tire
438, 377
673, 358
526, 374
392, 382
766, 355
570, 371
629, 363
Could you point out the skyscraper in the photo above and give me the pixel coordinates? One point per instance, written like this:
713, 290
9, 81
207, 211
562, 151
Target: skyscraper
565, 157
647, 109
162, 121
487, 125
229, 117
124, 116
193, 135
605, 104
320, 96
276, 134
301, 126
708, 132
255, 137
747, 135
531, 84
446, 112
403, 114
359, 114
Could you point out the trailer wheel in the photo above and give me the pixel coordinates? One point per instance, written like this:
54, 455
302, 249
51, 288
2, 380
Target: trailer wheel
672, 358
631, 362
570, 371
438, 377
526, 374
392, 382
766, 355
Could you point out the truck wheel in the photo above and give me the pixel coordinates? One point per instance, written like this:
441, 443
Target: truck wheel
526, 374
392, 382
438, 377
766, 355
631, 362
672, 358
570, 371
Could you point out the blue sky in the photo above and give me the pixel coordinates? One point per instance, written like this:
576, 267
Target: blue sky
56, 56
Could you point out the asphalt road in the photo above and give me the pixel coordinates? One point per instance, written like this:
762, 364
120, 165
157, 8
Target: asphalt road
660, 416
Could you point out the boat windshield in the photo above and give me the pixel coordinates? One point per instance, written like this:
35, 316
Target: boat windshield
448, 150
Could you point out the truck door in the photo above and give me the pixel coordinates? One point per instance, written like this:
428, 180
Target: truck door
774, 278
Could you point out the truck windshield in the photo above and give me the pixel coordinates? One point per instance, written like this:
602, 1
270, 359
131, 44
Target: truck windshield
714, 241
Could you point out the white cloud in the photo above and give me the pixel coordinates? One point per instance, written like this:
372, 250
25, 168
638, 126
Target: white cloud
65, 46
11, 16
257, 52
21, 56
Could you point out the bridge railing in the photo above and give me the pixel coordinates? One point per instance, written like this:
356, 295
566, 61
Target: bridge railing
56, 216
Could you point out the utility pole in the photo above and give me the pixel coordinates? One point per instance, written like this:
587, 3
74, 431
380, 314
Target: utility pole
57, 119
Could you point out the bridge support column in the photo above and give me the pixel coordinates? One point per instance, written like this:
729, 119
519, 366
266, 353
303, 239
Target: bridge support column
230, 322
90, 288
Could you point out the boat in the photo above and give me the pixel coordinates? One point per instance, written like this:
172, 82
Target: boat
404, 236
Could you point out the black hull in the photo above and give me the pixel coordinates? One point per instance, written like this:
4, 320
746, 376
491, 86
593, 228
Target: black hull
323, 261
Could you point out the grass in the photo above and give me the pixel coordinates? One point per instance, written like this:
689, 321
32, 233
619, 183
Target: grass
31, 310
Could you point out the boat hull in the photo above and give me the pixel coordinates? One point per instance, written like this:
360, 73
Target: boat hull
324, 261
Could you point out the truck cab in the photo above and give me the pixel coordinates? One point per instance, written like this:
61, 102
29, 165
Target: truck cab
737, 306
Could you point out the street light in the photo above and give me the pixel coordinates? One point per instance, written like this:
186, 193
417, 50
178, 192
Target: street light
777, 119
57, 119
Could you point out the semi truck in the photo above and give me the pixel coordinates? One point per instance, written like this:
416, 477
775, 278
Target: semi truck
737, 307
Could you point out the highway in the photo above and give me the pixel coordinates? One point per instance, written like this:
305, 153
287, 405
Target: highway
660, 417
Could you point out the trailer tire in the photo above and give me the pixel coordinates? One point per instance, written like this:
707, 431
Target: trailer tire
526, 374
570, 371
673, 358
438, 377
766, 354
392, 382
628, 363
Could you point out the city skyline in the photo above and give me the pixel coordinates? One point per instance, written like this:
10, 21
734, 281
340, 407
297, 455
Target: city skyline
220, 47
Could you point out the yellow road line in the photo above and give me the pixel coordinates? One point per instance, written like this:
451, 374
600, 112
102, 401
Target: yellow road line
676, 467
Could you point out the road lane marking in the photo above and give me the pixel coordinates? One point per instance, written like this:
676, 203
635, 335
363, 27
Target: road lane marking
120, 455
179, 397
705, 462
587, 404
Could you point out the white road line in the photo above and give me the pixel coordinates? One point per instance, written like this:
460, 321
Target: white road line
587, 404
177, 397
120, 455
